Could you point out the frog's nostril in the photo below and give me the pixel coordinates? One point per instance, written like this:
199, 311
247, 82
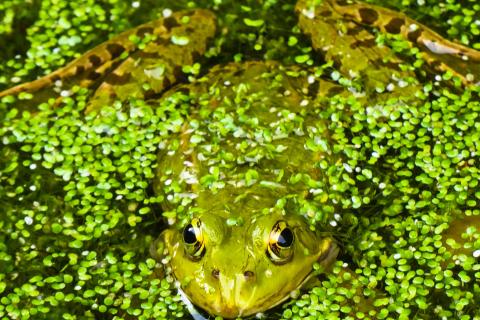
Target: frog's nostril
248, 275
215, 273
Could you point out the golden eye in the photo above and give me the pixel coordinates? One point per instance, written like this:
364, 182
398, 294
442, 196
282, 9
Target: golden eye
193, 240
280, 243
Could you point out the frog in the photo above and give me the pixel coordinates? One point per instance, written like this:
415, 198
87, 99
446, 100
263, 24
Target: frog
246, 161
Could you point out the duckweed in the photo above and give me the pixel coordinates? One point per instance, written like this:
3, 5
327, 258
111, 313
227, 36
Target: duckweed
78, 214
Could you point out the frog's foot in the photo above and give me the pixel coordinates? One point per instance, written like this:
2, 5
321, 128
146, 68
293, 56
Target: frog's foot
442, 55
125, 67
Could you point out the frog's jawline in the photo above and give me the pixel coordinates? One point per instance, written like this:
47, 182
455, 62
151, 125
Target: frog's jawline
198, 316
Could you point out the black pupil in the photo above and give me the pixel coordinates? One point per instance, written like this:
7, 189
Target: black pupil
189, 234
285, 239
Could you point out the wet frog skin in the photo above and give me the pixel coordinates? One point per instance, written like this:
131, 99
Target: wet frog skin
243, 246
233, 255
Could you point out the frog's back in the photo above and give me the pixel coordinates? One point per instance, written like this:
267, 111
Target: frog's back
234, 179
252, 127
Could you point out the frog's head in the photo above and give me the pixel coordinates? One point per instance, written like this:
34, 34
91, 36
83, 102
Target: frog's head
246, 267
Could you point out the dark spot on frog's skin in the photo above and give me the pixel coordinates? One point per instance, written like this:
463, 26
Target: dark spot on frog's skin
79, 70
162, 41
326, 13
368, 15
170, 23
390, 65
95, 60
249, 275
313, 88
395, 25
334, 91
115, 50
367, 43
348, 16
94, 75
196, 55
337, 60
189, 13
414, 35
178, 74
143, 31
215, 273
354, 30
117, 79
342, 3
184, 91
239, 73
55, 78
189, 30
379, 63
166, 82
436, 64
462, 55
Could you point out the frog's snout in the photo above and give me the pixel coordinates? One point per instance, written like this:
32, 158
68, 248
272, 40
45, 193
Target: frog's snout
234, 300
248, 275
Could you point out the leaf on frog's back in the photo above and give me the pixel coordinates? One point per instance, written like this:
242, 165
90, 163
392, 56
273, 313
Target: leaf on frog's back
121, 68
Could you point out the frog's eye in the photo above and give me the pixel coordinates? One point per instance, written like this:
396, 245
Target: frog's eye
193, 239
280, 243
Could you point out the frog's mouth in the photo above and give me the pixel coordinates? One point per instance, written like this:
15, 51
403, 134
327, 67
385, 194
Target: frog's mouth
232, 307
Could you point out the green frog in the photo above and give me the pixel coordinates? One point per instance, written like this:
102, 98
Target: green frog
242, 179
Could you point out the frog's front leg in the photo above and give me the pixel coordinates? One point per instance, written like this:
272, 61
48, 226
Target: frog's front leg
124, 66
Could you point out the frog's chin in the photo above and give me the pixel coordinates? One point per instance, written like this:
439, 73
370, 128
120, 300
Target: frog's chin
230, 305
231, 309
